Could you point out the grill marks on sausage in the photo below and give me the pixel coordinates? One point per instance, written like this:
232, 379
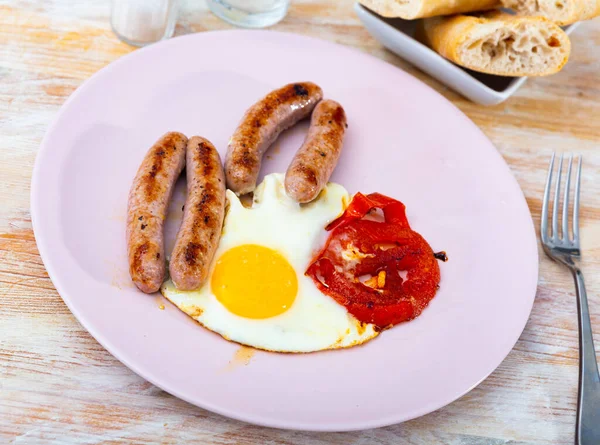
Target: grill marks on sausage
334, 122
193, 252
300, 90
152, 184
202, 154
204, 218
314, 162
246, 159
258, 118
339, 116
147, 207
138, 257
259, 128
309, 175
204, 210
137, 268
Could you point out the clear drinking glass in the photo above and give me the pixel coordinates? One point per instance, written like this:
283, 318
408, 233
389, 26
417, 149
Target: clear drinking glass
141, 22
250, 13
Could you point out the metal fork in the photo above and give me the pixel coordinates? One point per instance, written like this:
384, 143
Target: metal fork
566, 250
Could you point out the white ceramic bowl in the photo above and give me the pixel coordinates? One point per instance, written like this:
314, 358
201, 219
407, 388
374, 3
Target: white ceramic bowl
397, 35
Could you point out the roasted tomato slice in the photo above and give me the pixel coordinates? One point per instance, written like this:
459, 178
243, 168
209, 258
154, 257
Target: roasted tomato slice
383, 272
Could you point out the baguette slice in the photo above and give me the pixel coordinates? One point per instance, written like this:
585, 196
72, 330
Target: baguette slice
563, 12
498, 43
415, 9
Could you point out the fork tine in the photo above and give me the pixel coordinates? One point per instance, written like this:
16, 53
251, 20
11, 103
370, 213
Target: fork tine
576, 203
544, 218
556, 201
565, 212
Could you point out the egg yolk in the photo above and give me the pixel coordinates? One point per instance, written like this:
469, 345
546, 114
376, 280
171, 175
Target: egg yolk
253, 281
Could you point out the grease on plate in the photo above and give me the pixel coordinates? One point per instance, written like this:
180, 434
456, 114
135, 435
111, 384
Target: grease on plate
242, 357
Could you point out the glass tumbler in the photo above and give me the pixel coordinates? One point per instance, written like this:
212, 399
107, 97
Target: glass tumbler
141, 22
250, 13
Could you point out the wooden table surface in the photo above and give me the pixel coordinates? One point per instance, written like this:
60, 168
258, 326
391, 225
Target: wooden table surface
57, 384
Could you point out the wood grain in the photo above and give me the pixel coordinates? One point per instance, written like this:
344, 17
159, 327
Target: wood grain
58, 385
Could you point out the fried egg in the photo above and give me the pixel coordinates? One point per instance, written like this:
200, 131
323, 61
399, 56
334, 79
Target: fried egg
257, 293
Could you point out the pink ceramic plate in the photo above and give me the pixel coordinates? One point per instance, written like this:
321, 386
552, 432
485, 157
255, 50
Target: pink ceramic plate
404, 140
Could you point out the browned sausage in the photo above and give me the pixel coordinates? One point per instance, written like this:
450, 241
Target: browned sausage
314, 162
147, 207
200, 231
260, 126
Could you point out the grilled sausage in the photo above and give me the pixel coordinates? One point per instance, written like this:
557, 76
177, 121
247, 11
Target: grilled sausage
147, 207
314, 162
260, 126
200, 231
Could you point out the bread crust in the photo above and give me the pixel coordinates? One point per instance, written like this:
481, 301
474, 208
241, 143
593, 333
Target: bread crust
460, 39
415, 9
563, 12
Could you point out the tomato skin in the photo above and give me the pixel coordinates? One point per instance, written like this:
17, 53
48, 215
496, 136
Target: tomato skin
394, 211
390, 246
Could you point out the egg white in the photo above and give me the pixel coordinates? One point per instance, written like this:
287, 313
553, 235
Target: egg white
314, 321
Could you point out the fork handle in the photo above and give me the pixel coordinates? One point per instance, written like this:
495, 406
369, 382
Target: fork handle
588, 400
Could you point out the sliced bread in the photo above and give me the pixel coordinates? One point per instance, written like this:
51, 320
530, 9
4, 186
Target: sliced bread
498, 43
563, 12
